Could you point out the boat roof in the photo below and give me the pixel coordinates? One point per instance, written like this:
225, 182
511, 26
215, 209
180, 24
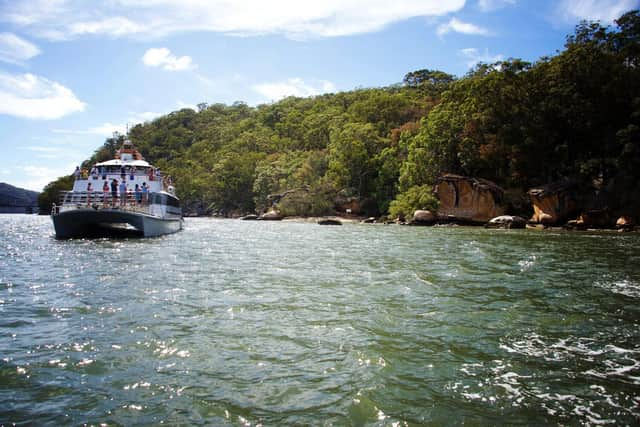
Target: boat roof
118, 162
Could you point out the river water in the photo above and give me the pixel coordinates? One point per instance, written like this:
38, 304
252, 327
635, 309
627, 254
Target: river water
281, 323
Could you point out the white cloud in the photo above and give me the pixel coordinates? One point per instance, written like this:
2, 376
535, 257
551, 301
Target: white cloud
45, 152
107, 129
145, 116
34, 97
36, 177
154, 18
32, 12
488, 5
461, 27
116, 26
474, 56
162, 57
16, 50
605, 11
42, 149
293, 87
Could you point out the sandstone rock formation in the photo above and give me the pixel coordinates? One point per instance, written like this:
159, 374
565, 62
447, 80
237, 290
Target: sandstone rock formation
625, 222
552, 203
465, 199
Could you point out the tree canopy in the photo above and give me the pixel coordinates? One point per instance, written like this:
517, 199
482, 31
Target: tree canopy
574, 115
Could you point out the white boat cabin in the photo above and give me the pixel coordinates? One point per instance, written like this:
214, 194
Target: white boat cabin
129, 167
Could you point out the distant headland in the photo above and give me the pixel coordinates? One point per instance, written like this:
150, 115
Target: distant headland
17, 200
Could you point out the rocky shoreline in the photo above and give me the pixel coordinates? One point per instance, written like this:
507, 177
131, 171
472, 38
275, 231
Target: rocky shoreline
479, 202
502, 222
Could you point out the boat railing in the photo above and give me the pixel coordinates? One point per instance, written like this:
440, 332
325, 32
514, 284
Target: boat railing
100, 200
110, 174
165, 180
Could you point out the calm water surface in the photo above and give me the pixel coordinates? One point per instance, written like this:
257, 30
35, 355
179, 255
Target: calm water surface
263, 323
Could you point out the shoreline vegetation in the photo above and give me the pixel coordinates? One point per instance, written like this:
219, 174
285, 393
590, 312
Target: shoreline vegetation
553, 143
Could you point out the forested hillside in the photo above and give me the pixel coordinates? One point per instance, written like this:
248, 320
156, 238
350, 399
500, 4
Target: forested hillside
574, 115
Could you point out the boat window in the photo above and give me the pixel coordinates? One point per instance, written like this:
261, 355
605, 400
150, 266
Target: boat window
164, 199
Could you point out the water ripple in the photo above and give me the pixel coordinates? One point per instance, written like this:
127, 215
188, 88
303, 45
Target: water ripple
249, 323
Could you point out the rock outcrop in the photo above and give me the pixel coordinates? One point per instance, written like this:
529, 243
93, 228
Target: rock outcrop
507, 221
272, 215
625, 223
466, 199
423, 217
553, 203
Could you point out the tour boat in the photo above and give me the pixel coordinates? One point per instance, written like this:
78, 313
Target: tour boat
99, 203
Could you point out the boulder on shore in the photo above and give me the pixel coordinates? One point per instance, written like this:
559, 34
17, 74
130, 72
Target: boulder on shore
423, 217
329, 221
507, 221
271, 216
466, 199
625, 222
250, 217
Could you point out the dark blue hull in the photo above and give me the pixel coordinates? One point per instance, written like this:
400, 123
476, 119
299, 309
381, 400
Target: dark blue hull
91, 222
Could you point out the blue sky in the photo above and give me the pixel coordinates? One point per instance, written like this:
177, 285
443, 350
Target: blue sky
74, 71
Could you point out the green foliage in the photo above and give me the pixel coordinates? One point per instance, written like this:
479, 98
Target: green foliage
419, 197
522, 124
51, 193
575, 115
314, 201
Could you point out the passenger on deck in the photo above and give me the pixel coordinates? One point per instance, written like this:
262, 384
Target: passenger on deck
114, 192
89, 191
145, 193
76, 173
105, 193
138, 192
123, 193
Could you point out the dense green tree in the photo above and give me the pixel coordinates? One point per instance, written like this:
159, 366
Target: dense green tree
51, 193
574, 115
